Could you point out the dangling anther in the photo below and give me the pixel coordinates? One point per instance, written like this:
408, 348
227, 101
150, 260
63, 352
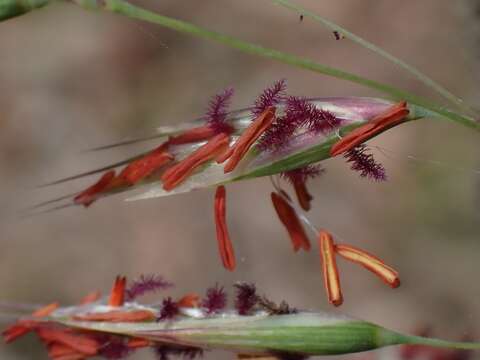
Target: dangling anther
290, 220
225, 246
371, 263
329, 268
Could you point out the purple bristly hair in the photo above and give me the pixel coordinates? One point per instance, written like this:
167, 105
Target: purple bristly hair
246, 298
365, 163
146, 284
299, 112
217, 112
302, 174
215, 300
169, 309
305, 113
271, 96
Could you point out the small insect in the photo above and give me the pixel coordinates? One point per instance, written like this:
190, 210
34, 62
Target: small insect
338, 35
301, 17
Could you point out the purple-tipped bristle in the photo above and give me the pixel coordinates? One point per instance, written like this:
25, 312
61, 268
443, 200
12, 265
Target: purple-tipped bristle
365, 164
271, 96
169, 309
217, 112
146, 284
246, 299
299, 112
215, 300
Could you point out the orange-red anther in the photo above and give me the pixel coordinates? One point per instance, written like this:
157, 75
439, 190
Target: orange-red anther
223, 238
290, 220
303, 196
88, 196
78, 342
57, 351
391, 117
189, 301
46, 310
370, 262
24, 327
246, 140
117, 296
329, 268
117, 316
141, 168
193, 135
91, 298
179, 172
136, 343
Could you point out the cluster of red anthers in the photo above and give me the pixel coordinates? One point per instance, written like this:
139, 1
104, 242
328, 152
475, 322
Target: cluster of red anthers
65, 343
269, 132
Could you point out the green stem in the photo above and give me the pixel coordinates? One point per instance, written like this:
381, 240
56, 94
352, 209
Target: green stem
13, 8
123, 7
379, 51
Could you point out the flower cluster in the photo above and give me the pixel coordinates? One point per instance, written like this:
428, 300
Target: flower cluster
66, 343
277, 120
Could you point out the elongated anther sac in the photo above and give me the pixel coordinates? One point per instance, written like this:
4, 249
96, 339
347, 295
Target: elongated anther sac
81, 343
247, 139
117, 296
174, 175
145, 166
117, 316
21, 328
225, 246
91, 298
192, 135
329, 268
89, 195
191, 300
290, 220
391, 117
371, 263
303, 196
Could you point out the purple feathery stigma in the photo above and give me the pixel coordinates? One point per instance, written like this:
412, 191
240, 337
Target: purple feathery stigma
365, 164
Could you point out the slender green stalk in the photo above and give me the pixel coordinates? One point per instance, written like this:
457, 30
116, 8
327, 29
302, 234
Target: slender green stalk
379, 51
124, 8
13, 8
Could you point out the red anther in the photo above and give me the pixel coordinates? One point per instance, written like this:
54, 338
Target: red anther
246, 140
137, 343
46, 310
370, 262
303, 196
223, 238
117, 316
88, 196
329, 268
391, 117
81, 343
290, 220
179, 172
24, 327
141, 168
193, 135
57, 351
91, 298
117, 296
189, 301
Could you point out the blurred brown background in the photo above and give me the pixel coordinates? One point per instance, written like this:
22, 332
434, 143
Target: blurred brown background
71, 80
